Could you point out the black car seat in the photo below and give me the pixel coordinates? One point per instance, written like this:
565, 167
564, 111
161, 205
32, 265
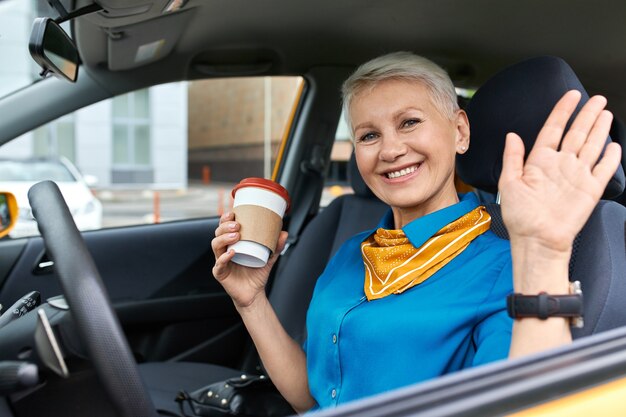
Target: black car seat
291, 290
519, 99
618, 134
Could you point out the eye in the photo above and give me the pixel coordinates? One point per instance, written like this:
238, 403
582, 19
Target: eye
367, 137
411, 122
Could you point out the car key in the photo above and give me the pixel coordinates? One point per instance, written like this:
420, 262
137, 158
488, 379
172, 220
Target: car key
20, 307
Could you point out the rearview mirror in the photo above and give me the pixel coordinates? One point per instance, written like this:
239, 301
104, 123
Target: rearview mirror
53, 49
8, 213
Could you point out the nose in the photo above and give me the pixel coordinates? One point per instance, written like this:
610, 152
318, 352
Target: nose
392, 147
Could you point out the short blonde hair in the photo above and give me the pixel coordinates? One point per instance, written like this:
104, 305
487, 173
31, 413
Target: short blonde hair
402, 66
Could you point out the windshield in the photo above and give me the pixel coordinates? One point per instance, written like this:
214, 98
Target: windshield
34, 171
16, 20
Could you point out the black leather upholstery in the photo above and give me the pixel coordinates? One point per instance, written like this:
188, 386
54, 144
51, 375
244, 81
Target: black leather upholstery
599, 255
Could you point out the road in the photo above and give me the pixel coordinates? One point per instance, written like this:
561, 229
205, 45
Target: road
131, 207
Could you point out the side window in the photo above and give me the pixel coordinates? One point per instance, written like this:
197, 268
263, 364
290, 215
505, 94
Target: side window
56, 139
132, 157
167, 153
337, 182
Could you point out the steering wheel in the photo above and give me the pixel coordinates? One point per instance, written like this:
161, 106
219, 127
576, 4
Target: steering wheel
97, 324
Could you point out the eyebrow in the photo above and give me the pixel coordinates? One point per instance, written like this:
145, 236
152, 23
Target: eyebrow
362, 125
395, 116
404, 110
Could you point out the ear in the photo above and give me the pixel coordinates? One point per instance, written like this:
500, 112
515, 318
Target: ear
462, 132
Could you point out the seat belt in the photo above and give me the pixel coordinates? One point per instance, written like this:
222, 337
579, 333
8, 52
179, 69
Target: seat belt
313, 169
296, 224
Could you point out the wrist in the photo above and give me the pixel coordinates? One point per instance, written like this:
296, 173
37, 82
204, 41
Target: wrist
540, 249
257, 304
531, 335
545, 306
538, 268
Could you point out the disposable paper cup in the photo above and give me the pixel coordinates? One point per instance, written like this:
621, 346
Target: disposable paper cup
259, 206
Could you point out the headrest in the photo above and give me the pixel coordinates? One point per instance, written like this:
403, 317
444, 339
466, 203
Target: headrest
518, 99
355, 179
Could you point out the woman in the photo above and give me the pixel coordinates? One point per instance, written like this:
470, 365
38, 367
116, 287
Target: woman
424, 294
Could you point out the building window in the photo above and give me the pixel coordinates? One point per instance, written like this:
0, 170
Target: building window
131, 130
132, 149
56, 139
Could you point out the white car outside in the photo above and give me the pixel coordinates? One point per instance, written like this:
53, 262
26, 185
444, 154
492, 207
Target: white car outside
18, 175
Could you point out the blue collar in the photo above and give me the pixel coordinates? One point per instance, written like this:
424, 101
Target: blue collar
422, 229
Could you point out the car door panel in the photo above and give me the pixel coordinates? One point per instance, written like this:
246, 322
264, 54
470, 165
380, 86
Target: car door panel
10, 250
159, 281
199, 328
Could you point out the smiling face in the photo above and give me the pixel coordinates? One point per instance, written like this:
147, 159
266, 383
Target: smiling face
405, 147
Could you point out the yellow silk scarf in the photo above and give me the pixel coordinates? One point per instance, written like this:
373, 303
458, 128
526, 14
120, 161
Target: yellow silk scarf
393, 264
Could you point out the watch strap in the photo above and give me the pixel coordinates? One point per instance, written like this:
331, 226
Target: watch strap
544, 305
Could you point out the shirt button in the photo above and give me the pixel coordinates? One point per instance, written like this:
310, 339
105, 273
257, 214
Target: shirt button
334, 338
333, 393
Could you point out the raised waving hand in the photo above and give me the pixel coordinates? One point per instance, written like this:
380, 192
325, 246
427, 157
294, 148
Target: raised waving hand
549, 197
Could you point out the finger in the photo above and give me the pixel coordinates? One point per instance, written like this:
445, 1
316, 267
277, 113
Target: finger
606, 167
282, 240
222, 264
552, 131
513, 158
591, 150
228, 216
227, 227
220, 243
586, 119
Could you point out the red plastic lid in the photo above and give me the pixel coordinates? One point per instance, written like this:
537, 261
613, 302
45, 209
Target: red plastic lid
266, 184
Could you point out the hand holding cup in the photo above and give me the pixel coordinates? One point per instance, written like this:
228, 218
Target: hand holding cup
245, 283
259, 206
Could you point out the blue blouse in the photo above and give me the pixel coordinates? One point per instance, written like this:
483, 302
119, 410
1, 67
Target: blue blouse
455, 319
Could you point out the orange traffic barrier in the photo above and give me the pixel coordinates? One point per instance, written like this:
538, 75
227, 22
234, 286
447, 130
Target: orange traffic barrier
157, 207
206, 174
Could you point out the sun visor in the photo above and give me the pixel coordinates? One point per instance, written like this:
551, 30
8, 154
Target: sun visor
142, 43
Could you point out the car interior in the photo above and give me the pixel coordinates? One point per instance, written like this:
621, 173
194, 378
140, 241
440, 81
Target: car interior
146, 319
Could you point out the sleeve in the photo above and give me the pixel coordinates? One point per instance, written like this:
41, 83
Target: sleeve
492, 334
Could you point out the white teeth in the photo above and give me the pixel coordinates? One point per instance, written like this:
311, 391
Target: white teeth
402, 172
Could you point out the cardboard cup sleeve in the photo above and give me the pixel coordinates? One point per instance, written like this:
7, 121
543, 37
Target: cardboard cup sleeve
259, 224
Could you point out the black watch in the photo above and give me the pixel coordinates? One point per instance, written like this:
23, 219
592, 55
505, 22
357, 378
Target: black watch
545, 305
